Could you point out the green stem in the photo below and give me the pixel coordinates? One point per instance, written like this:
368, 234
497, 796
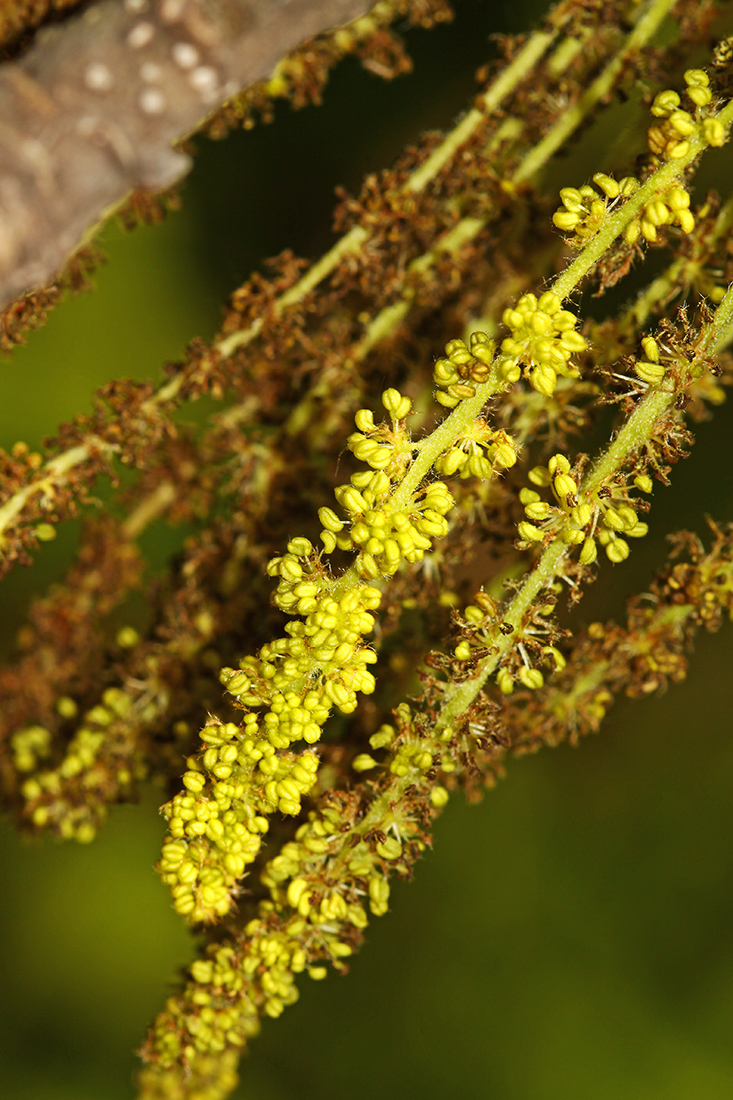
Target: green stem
356, 238
614, 226
504, 84
635, 432
646, 27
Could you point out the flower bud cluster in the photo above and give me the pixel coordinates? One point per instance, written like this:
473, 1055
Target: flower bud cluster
607, 517
382, 533
585, 208
30, 745
526, 672
245, 771
543, 338
61, 798
295, 877
480, 452
669, 138
322, 885
463, 368
409, 755
671, 208
532, 646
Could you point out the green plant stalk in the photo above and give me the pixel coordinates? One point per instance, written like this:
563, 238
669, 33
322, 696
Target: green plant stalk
54, 471
613, 226
595, 677
389, 318
680, 272
635, 432
386, 322
645, 29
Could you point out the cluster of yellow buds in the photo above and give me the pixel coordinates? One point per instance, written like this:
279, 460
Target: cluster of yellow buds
386, 446
322, 653
543, 338
671, 208
669, 139
526, 672
480, 452
385, 535
60, 798
604, 517
463, 367
29, 746
382, 533
584, 208
295, 876
480, 630
246, 771
214, 827
409, 754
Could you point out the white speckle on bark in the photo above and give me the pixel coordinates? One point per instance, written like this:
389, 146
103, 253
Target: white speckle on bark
140, 35
185, 55
152, 101
94, 145
97, 77
150, 73
171, 10
204, 79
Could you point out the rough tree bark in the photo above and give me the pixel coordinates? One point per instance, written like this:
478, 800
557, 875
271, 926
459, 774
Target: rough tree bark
93, 109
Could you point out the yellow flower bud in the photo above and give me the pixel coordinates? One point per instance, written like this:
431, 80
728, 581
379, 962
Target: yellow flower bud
558, 464
330, 520
389, 848
564, 485
438, 797
589, 552
539, 475
505, 681
652, 373
682, 123
632, 232
618, 550
532, 678
696, 78
529, 532
396, 404
676, 150
607, 185
538, 511
664, 103
544, 380
686, 221
650, 348
363, 762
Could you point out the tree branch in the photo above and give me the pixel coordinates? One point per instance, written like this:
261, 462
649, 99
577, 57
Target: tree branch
93, 109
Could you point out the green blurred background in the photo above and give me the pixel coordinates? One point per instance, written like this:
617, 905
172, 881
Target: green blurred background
569, 937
